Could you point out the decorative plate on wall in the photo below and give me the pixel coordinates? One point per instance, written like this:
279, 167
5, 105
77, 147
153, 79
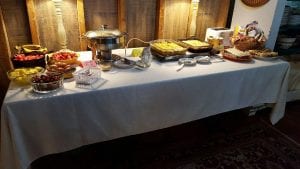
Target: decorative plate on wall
255, 3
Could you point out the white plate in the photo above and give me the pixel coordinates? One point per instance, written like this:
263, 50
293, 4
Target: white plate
122, 65
265, 58
202, 59
187, 61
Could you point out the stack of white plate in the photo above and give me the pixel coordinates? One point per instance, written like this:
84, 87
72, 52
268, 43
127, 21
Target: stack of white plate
286, 42
285, 16
294, 20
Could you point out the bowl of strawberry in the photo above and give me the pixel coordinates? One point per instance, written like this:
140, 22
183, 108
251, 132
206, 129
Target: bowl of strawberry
28, 60
66, 56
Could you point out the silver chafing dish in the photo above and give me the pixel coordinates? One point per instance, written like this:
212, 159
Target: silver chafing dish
102, 41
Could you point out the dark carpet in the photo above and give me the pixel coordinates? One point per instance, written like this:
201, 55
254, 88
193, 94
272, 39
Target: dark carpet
228, 141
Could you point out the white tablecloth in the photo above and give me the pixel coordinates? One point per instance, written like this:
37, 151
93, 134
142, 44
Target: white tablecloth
132, 102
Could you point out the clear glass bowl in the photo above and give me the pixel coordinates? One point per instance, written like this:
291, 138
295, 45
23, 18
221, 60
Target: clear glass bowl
45, 83
22, 76
87, 76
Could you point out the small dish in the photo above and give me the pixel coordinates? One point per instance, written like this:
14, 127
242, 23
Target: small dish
187, 61
202, 59
124, 63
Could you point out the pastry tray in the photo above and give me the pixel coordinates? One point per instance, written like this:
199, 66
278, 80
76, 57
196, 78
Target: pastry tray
195, 49
168, 52
163, 58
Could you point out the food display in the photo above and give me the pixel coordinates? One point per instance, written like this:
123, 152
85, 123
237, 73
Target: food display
249, 37
194, 45
264, 54
62, 67
31, 49
22, 76
29, 56
167, 48
45, 83
236, 55
66, 56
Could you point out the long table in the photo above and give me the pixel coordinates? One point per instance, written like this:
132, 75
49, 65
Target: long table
133, 101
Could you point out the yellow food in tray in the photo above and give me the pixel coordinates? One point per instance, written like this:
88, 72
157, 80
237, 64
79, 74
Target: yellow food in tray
166, 47
21, 76
196, 43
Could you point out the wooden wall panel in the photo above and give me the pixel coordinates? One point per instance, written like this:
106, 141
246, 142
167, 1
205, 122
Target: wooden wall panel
211, 13
47, 24
16, 22
145, 19
140, 20
176, 22
5, 64
100, 12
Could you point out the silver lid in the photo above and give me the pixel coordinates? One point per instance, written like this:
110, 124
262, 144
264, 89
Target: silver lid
103, 32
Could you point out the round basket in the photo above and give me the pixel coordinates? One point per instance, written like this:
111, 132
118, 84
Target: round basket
255, 3
248, 44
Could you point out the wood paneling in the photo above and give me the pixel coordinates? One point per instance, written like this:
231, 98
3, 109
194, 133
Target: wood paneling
122, 15
144, 19
211, 13
5, 64
176, 14
160, 15
45, 16
16, 22
140, 20
101, 12
81, 22
34, 29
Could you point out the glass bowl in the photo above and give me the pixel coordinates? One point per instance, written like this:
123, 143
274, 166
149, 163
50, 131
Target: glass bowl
62, 67
47, 82
87, 76
22, 76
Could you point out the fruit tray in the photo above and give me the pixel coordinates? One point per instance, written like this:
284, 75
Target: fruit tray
166, 48
22, 76
65, 56
33, 60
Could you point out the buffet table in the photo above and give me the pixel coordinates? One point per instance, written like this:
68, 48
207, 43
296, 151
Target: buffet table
133, 101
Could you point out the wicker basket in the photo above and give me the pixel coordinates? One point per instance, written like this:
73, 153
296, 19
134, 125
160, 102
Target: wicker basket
248, 43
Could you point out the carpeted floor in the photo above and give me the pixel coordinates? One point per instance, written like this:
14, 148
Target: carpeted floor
231, 140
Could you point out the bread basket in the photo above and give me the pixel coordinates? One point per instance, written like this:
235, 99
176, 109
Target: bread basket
248, 43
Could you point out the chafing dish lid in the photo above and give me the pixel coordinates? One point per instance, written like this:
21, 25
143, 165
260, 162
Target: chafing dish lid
103, 32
